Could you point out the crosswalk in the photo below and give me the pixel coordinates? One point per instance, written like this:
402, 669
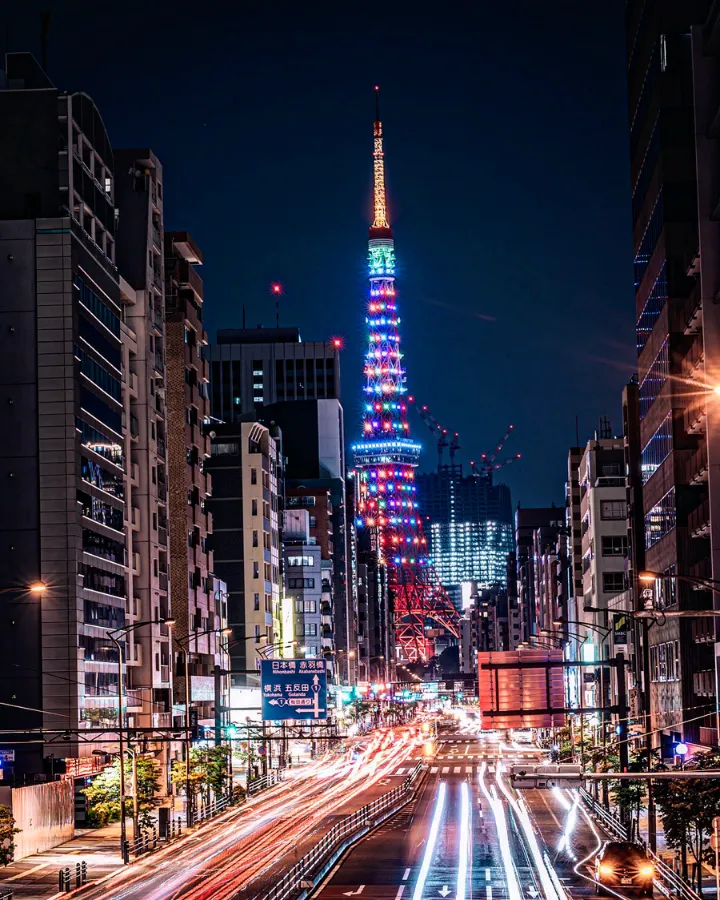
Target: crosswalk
446, 770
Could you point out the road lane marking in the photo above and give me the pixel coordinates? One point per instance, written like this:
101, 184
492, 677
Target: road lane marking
488, 875
488, 892
457, 769
468, 770
406, 875
467, 749
445, 770
400, 892
431, 842
465, 839
433, 770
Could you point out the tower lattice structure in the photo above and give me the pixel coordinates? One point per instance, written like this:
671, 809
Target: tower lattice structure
386, 457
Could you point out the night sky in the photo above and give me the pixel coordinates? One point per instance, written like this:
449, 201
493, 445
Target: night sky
507, 171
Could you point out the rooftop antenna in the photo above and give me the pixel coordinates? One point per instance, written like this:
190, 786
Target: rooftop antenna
277, 290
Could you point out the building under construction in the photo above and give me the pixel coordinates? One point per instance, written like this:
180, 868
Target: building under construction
470, 529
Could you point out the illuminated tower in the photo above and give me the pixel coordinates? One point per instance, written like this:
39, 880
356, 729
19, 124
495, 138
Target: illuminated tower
386, 457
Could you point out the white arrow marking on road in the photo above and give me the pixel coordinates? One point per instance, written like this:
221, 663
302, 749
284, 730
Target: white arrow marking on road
444, 890
354, 893
532, 890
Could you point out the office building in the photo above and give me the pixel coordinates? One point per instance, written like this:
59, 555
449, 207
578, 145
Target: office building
251, 368
469, 527
672, 71
199, 605
245, 467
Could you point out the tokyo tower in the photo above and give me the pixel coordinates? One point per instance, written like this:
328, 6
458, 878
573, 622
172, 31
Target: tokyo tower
386, 457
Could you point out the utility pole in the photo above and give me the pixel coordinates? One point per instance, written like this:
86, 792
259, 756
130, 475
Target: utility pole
652, 822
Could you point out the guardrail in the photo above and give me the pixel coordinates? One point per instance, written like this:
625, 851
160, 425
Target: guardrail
6, 894
607, 819
264, 782
306, 873
667, 881
211, 810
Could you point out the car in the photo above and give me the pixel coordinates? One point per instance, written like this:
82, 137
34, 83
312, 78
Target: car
623, 866
522, 735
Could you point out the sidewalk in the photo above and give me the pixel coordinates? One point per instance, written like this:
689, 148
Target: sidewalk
36, 877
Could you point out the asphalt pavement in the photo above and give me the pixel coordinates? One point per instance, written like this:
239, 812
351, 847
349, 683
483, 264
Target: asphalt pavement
468, 834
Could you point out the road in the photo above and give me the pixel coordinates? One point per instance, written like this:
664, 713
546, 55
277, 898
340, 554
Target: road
469, 835
248, 847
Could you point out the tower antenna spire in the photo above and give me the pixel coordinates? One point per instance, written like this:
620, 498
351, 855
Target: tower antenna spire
380, 217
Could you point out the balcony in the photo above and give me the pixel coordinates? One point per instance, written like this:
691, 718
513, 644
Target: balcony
694, 416
610, 481
695, 469
159, 364
163, 581
699, 520
161, 449
188, 277
163, 719
162, 536
328, 643
703, 630
165, 675
691, 319
693, 364
704, 683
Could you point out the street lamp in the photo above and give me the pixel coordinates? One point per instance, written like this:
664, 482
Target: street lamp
35, 587
184, 644
113, 636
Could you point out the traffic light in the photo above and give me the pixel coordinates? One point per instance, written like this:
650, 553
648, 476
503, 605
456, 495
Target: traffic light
231, 731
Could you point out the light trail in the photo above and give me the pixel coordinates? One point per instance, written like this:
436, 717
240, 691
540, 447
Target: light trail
465, 833
431, 841
551, 888
570, 820
511, 879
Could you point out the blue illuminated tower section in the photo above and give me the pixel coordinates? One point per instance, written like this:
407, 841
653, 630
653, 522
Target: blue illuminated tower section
386, 457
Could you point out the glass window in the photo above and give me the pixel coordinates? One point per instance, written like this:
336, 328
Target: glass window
613, 582
655, 378
649, 240
300, 560
613, 509
254, 507
256, 602
614, 546
660, 520
256, 570
224, 448
657, 449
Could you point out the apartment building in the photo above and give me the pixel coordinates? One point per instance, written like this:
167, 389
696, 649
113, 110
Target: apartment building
199, 606
303, 584
139, 200
245, 467
75, 450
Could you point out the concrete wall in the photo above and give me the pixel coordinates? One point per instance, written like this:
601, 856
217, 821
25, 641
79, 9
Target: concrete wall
45, 813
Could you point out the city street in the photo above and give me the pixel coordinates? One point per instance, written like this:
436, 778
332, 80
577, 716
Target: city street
249, 846
468, 834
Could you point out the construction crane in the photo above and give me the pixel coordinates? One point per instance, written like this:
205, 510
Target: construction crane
439, 432
489, 461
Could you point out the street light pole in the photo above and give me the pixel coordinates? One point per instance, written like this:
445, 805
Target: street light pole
112, 635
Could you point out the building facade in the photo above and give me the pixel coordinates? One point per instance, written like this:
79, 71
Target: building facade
253, 367
76, 454
469, 527
245, 467
199, 606
672, 61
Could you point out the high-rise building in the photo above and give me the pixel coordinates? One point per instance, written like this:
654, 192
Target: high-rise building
199, 606
534, 527
386, 457
71, 428
252, 367
672, 73
245, 467
469, 527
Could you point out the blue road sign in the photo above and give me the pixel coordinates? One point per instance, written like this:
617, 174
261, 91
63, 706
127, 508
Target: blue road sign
294, 689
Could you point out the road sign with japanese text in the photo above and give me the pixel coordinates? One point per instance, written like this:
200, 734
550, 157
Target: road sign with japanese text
294, 689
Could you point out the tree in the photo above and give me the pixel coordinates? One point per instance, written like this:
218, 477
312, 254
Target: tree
688, 807
7, 835
103, 793
208, 772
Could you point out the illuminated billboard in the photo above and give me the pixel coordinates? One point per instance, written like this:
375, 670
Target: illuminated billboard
519, 689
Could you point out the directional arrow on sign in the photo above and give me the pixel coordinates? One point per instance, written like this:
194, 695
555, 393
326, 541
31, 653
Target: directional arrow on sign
444, 890
354, 893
